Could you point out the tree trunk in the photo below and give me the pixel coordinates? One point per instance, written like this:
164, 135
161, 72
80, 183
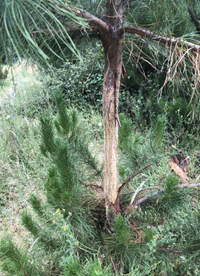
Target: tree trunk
113, 52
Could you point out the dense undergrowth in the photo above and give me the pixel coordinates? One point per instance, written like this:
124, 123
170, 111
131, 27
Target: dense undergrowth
52, 217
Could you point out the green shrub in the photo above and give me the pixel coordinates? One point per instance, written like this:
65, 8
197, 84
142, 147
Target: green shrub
80, 81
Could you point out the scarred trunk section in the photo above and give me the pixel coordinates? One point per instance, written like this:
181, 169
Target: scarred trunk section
113, 46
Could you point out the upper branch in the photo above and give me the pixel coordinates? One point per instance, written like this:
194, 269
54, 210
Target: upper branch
93, 29
162, 39
91, 18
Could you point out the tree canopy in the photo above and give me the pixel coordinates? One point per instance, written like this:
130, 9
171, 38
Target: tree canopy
32, 28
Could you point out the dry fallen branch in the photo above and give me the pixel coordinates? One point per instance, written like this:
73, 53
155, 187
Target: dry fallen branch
146, 198
174, 251
161, 191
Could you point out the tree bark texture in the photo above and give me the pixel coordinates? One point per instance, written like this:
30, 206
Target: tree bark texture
113, 52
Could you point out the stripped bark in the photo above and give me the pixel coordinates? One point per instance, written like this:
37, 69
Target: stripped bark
113, 53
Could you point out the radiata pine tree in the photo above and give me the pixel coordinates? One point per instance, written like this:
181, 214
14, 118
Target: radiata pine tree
44, 28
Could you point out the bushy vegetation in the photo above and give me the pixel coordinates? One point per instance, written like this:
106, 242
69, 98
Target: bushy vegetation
143, 97
80, 81
63, 209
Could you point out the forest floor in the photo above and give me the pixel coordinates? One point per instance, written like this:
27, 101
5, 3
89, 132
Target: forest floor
20, 162
23, 169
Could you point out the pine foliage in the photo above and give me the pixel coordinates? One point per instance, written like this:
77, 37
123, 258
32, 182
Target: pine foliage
67, 150
159, 132
169, 17
67, 198
14, 262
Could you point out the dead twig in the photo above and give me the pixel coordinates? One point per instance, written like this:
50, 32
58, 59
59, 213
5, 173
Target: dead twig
94, 185
174, 251
146, 198
161, 191
124, 184
137, 192
188, 185
113, 265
